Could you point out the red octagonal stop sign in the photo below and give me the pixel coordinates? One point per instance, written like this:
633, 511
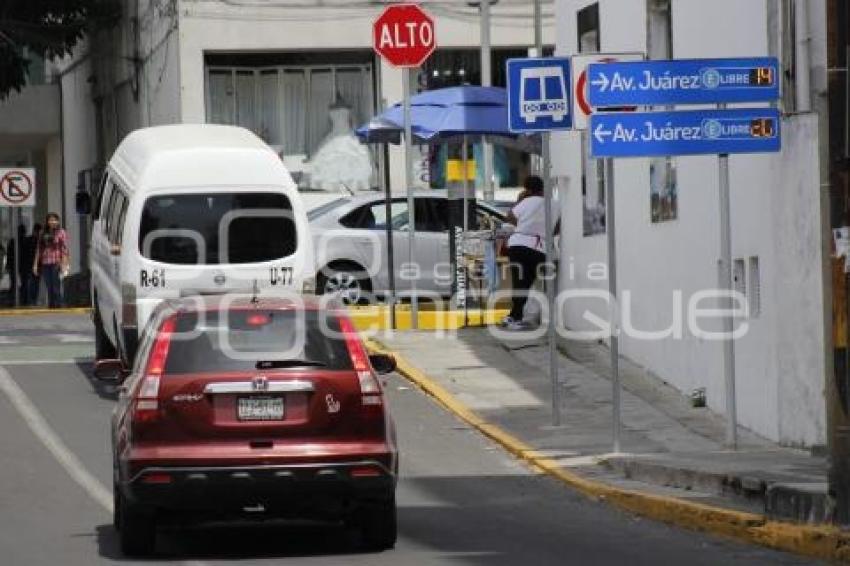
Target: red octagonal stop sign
404, 35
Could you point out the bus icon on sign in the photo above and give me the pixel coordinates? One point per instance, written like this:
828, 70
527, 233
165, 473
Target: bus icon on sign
543, 94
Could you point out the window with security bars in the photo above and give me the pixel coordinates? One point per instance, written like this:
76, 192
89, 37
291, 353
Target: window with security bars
287, 106
593, 170
754, 295
663, 184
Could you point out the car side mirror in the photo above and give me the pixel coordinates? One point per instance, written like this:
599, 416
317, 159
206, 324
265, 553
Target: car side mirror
383, 363
110, 370
82, 203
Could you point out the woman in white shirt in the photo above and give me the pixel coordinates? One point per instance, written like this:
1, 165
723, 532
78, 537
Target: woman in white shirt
526, 246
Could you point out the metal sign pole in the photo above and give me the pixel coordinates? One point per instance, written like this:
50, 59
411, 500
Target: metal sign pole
551, 282
725, 273
462, 242
16, 279
726, 285
390, 242
610, 225
486, 80
411, 207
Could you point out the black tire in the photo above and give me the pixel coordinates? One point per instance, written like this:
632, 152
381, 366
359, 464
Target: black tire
116, 508
137, 528
378, 525
103, 348
348, 278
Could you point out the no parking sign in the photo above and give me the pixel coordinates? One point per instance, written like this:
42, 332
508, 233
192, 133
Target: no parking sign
17, 187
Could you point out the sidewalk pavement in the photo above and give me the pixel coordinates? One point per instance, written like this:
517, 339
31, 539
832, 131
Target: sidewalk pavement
674, 465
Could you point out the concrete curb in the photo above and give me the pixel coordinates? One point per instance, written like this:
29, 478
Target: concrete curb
24, 311
818, 541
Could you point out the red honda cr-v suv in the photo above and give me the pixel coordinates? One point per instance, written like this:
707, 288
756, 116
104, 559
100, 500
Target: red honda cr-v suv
253, 408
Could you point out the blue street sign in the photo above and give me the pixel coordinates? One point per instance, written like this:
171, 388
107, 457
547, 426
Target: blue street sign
539, 94
684, 81
650, 134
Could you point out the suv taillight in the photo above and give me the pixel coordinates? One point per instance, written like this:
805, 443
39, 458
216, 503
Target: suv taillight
146, 406
370, 389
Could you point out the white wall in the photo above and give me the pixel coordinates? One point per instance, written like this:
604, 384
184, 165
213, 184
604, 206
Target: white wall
775, 216
159, 41
79, 142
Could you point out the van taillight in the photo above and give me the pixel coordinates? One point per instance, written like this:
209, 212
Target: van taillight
146, 408
370, 389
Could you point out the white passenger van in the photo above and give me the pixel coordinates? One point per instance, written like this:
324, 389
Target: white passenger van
188, 210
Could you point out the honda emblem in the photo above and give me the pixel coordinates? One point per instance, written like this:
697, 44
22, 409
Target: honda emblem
260, 383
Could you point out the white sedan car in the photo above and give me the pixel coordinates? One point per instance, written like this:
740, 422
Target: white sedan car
350, 237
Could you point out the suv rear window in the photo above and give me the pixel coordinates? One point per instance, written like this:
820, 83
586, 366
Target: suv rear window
172, 227
206, 342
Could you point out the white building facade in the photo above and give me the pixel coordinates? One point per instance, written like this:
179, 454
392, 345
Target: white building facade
667, 214
274, 67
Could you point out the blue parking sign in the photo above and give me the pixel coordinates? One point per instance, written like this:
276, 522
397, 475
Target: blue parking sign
539, 94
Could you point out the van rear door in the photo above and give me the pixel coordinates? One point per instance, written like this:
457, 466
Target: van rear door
198, 242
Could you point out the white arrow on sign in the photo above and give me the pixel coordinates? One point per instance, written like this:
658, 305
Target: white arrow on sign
600, 133
602, 82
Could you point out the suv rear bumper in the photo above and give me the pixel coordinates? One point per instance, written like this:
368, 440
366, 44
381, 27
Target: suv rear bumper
304, 490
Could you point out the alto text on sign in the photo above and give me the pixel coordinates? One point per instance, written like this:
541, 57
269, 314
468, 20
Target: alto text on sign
651, 134
686, 81
404, 35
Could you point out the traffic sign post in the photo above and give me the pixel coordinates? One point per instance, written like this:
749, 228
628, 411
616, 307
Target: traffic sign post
695, 132
405, 37
17, 191
539, 101
720, 131
17, 187
582, 109
685, 81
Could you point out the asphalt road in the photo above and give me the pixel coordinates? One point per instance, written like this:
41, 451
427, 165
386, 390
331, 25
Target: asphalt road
462, 500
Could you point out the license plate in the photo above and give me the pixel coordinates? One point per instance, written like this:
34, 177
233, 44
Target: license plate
259, 408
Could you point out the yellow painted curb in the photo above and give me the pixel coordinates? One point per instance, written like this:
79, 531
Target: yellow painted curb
23, 311
819, 541
378, 318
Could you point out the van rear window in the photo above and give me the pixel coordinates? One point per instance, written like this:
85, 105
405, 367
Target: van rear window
217, 228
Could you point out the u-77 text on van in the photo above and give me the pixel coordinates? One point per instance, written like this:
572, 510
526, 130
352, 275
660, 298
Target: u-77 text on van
191, 210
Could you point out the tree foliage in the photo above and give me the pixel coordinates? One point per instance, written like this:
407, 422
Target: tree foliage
48, 28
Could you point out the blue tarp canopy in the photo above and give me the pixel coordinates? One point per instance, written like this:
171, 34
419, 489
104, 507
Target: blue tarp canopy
450, 115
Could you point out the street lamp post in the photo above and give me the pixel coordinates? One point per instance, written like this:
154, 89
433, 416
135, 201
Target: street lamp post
486, 80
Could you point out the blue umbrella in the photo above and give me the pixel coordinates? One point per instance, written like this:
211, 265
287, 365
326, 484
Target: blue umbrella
449, 114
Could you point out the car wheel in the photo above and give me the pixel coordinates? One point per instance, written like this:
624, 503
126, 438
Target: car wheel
138, 528
103, 348
346, 280
378, 525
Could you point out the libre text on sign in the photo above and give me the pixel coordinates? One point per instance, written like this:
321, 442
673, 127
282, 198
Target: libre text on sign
686, 81
696, 132
404, 35
539, 94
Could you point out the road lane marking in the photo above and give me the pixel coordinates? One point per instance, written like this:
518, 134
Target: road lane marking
43, 431
73, 338
67, 459
46, 362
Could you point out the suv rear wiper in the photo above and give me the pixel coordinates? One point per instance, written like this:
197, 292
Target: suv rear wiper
273, 364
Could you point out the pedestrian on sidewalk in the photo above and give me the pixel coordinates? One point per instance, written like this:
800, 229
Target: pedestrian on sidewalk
29, 281
527, 246
52, 259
